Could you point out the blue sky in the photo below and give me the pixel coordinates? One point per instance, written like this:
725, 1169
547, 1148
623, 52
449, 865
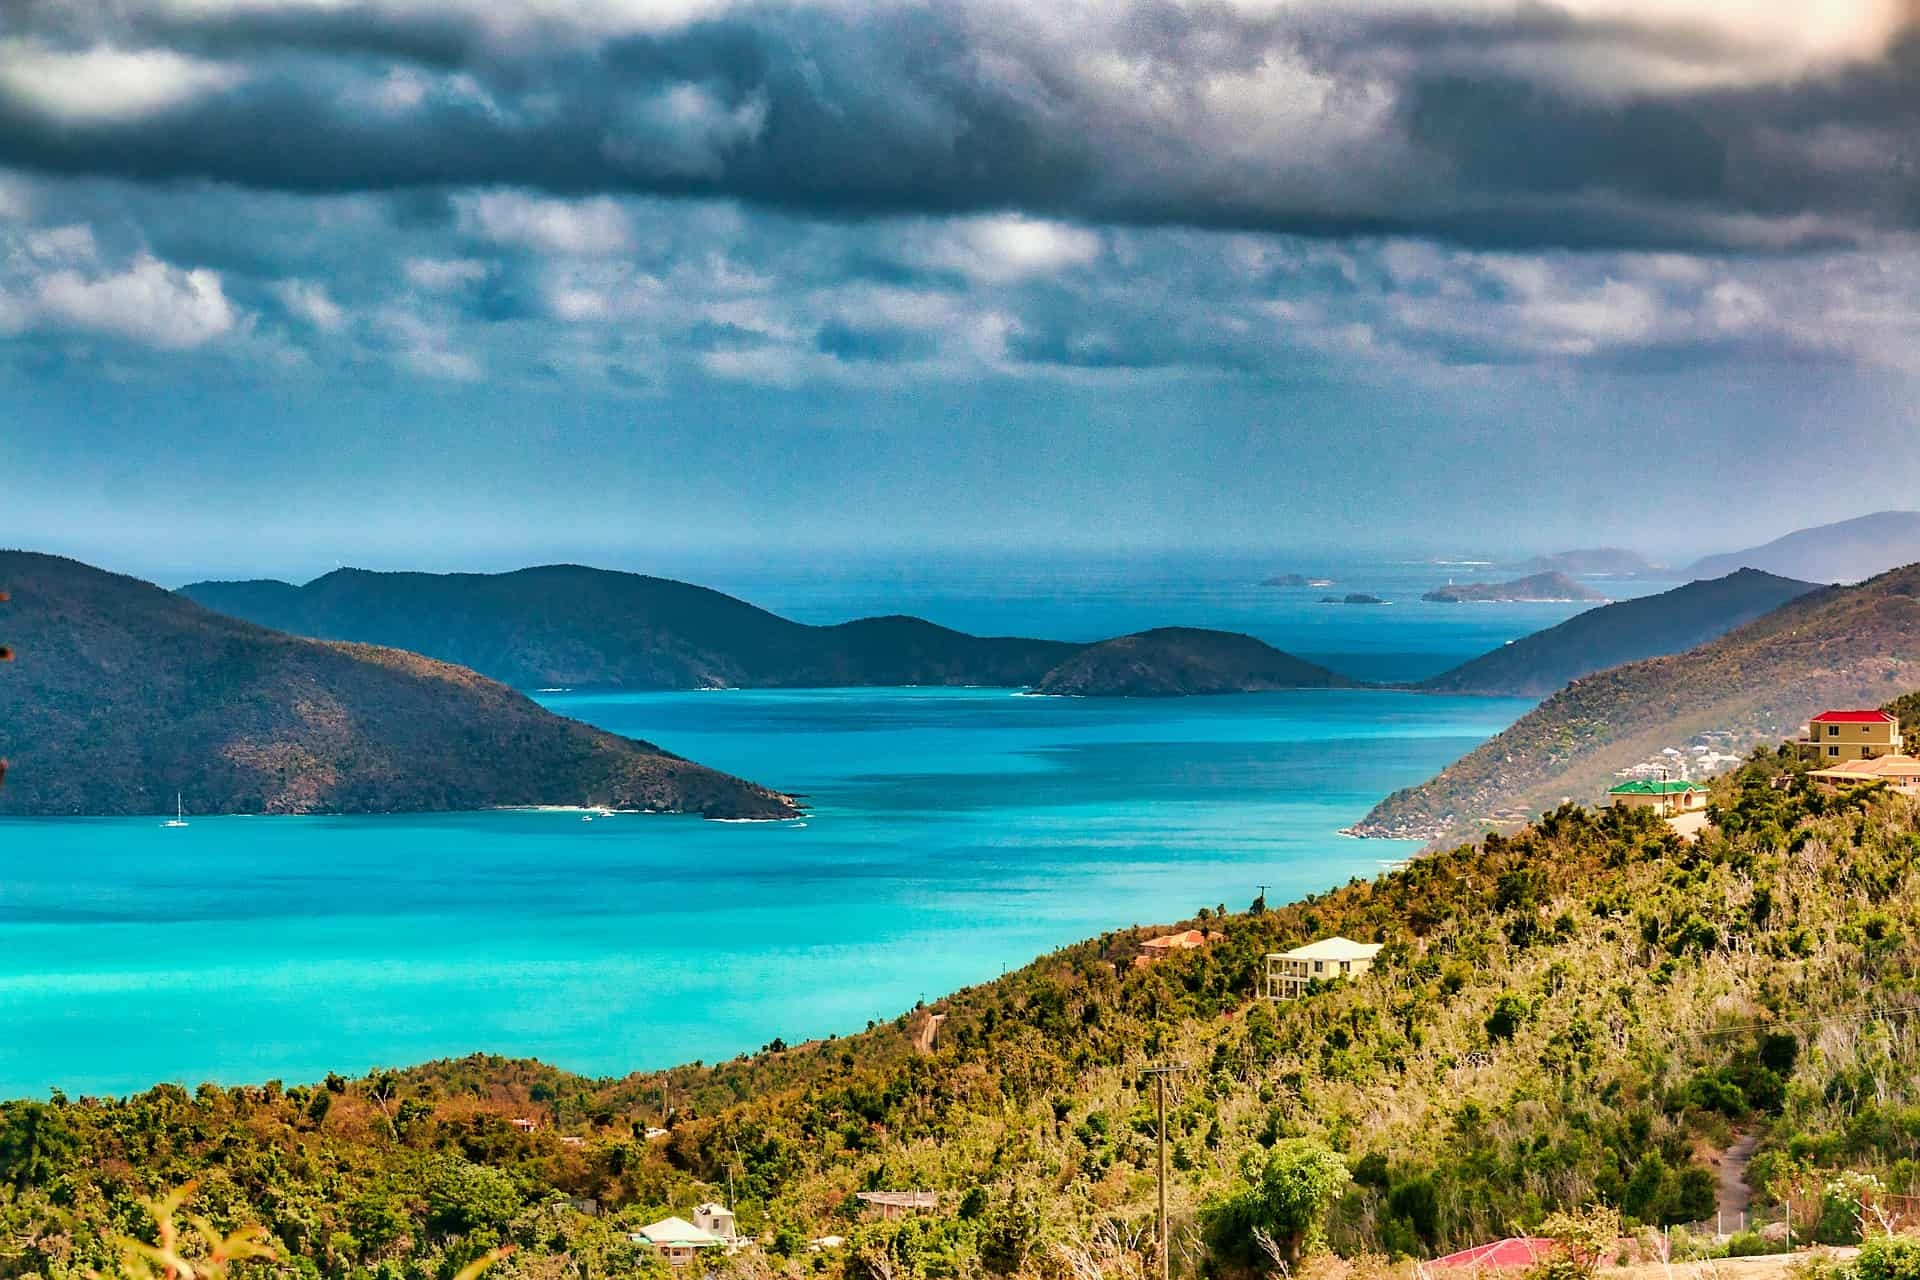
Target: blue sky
390, 282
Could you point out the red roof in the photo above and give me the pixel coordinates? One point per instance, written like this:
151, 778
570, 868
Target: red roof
1514, 1251
1855, 717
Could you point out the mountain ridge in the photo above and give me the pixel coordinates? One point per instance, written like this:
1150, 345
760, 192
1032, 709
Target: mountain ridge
580, 627
1844, 551
1539, 664
123, 694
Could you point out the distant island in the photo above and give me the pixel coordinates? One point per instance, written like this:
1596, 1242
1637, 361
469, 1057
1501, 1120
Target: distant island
1296, 580
1544, 662
1850, 551
1356, 597
1538, 588
1595, 562
1179, 661
124, 696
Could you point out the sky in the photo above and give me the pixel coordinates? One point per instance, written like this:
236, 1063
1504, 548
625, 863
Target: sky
473, 283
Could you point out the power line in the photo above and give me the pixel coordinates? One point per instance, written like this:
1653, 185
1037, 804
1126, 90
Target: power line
1837, 1019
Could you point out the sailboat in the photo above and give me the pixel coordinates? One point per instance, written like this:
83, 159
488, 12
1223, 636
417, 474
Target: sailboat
179, 818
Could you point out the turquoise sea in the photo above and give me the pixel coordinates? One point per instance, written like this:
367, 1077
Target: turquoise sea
955, 833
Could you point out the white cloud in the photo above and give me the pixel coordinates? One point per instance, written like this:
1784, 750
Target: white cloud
311, 302
585, 227
1007, 249
441, 274
427, 348
104, 84
151, 302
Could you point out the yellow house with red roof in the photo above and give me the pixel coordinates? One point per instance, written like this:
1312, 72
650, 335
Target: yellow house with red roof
1833, 736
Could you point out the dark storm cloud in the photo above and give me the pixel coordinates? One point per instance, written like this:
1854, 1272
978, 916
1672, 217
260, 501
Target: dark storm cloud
1433, 124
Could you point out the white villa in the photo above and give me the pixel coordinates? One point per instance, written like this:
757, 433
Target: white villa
1289, 972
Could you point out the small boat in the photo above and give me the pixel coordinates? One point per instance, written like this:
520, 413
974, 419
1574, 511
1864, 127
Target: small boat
586, 817
179, 818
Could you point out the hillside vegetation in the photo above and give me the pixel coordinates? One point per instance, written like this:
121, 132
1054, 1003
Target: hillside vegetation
1626, 631
1837, 647
576, 627
1588, 1010
122, 695
1173, 661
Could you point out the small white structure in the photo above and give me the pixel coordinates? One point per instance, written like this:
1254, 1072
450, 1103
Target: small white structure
1289, 972
716, 1218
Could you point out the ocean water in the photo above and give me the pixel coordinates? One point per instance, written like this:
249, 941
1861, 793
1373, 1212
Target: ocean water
955, 833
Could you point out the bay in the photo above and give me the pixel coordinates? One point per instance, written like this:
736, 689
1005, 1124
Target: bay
955, 833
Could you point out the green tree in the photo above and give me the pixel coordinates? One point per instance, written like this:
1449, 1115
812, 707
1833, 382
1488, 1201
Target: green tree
1286, 1199
34, 1140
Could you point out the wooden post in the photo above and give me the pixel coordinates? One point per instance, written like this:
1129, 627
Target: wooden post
1160, 1089
1162, 1233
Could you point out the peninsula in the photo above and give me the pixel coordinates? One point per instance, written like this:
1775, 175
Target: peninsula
124, 696
1832, 647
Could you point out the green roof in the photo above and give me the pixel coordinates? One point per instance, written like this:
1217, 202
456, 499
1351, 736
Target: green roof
1666, 788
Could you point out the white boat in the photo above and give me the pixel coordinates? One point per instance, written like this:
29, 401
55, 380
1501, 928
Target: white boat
179, 818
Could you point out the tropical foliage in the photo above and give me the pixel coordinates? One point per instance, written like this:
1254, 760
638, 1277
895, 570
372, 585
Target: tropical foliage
1578, 1015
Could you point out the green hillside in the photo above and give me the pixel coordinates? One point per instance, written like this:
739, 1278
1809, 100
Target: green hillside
1585, 1011
122, 695
1836, 647
1626, 631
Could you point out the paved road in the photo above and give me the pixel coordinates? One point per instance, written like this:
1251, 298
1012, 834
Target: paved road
1735, 1195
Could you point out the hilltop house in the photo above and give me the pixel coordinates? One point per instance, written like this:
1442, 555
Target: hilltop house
1666, 797
1289, 972
1900, 772
1851, 735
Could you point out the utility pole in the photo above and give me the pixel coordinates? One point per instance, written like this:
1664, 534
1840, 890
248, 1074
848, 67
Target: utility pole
1160, 1074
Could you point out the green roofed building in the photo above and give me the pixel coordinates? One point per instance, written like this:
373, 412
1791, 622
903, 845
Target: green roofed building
1666, 797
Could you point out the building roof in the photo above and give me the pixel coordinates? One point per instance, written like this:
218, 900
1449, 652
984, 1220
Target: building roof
1867, 770
1335, 948
1514, 1251
1180, 941
1647, 787
672, 1231
712, 1207
1855, 717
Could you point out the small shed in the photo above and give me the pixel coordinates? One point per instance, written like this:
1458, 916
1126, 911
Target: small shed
890, 1205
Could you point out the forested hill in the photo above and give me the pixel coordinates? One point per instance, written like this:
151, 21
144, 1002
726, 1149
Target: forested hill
1177, 661
1626, 631
576, 627
122, 695
1587, 1011
1836, 647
